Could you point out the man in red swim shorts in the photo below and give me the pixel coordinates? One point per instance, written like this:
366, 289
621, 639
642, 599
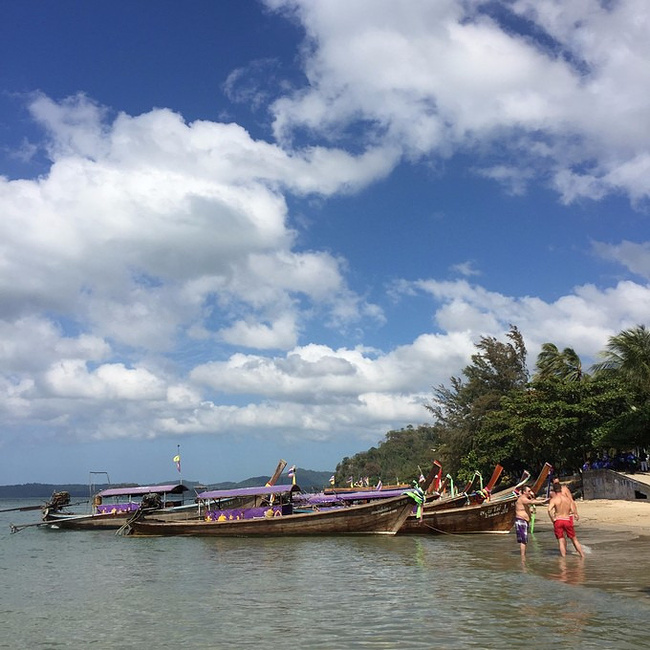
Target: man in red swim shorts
561, 510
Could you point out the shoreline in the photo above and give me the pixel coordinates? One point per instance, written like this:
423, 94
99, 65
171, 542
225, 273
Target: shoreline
607, 515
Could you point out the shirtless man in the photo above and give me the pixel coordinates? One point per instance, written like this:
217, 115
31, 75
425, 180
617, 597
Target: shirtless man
565, 491
522, 517
561, 510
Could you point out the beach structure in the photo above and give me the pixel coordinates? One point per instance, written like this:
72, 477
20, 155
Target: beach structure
609, 484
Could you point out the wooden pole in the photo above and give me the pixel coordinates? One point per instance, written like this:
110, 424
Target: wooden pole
22, 509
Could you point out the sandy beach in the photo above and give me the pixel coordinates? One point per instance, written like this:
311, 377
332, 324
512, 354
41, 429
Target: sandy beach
610, 514
607, 515
598, 513
615, 513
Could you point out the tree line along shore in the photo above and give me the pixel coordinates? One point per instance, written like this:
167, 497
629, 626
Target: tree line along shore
497, 412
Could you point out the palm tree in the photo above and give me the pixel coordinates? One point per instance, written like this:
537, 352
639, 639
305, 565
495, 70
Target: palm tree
551, 363
628, 354
572, 365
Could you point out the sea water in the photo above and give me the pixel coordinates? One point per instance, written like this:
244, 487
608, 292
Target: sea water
83, 589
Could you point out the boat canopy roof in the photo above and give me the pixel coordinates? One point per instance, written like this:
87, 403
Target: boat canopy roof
322, 498
173, 488
249, 491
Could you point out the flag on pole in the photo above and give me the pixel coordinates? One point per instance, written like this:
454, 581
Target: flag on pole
177, 460
379, 485
292, 474
332, 479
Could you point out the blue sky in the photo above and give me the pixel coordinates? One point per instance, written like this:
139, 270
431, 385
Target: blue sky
266, 229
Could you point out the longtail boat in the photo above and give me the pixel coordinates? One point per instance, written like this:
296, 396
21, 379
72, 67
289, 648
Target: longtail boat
482, 511
466, 496
274, 513
486, 517
278, 472
543, 475
434, 479
508, 492
430, 483
366, 488
525, 477
113, 507
305, 502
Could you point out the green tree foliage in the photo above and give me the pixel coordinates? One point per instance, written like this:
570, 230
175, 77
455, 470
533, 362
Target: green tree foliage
395, 459
626, 359
462, 410
628, 355
556, 420
551, 363
493, 414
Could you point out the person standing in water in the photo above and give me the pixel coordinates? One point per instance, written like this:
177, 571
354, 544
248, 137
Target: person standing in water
522, 517
561, 510
567, 493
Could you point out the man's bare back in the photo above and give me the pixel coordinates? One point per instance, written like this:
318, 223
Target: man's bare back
564, 490
561, 510
561, 506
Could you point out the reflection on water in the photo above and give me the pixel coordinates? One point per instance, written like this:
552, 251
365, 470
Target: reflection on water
72, 589
571, 571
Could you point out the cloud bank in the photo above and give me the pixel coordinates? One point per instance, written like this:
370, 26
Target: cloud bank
153, 282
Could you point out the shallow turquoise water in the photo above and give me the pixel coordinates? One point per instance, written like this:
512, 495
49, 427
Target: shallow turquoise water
75, 589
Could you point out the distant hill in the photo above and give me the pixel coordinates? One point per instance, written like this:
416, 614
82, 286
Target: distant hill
308, 480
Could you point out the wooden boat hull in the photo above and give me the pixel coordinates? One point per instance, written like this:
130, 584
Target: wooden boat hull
85, 522
487, 517
446, 503
347, 490
113, 521
382, 517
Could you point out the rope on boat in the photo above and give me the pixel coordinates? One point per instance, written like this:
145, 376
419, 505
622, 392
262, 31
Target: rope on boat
125, 529
149, 503
437, 530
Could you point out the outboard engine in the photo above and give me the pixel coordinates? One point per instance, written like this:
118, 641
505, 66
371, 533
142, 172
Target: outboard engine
58, 500
151, 501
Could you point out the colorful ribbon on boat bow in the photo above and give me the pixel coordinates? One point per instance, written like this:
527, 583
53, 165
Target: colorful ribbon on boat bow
417, 494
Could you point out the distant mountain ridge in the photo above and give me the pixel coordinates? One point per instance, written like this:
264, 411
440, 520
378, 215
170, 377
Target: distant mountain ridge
308, 480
